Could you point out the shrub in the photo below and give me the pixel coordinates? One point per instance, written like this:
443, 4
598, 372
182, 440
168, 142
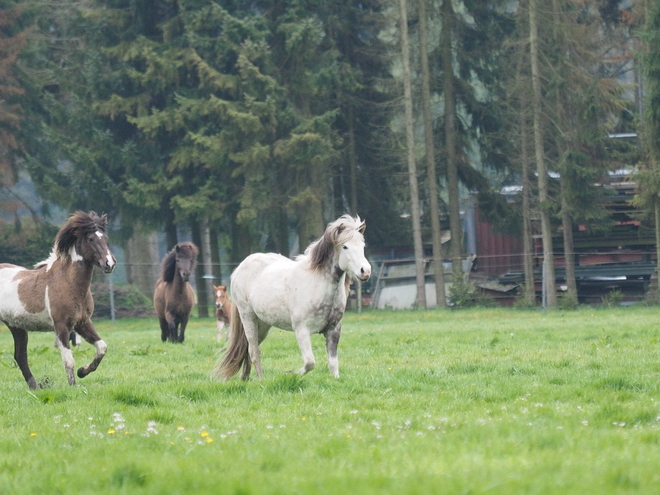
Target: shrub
129, 301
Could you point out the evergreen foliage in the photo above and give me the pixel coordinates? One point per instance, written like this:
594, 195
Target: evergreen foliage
261, 116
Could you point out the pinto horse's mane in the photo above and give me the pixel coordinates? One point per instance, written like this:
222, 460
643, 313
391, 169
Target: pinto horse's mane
77, 226
321, 252
168, 267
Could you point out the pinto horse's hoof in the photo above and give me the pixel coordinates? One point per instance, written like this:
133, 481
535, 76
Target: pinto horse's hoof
82, 373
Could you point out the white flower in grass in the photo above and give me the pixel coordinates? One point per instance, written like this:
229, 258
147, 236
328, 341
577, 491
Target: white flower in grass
151, 428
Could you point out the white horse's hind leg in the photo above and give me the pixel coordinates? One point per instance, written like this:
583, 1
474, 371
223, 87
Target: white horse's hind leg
67, 359
331, 343
252, 334
305, 345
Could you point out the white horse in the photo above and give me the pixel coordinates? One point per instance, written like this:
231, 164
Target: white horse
307, 295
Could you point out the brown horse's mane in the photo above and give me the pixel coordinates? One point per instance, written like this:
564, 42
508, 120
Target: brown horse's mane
321, 252
78, 225
168, 266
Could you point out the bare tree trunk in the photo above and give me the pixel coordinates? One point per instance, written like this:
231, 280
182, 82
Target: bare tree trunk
656, 211
412, 166
216, 269
544, 203
206, 260
200, 282
352, 159
450, 142
142, 260
171, 235
438, 269
569, 257
528, 244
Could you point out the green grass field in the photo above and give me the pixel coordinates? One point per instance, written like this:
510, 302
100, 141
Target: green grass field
472, 401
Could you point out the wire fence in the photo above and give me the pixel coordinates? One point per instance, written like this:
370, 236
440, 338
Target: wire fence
619, 276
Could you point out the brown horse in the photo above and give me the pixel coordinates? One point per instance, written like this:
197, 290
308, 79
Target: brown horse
174, 297
222, 309
56, 295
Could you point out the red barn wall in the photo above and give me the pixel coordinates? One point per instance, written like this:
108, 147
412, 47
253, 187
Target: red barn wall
497, 253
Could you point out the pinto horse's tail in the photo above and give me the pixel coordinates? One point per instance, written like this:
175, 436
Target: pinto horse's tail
236, 353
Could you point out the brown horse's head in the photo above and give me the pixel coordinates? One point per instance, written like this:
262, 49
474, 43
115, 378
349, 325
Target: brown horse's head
83, 238
182, 260
221, 297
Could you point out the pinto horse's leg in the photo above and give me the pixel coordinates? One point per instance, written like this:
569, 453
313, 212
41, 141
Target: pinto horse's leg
88, 332
331, 342
20, 355
305, 344
62, 344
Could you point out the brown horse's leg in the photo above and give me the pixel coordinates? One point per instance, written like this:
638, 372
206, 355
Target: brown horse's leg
182, 327
20, 355
220, 326
88, 332
172, 325
164, 328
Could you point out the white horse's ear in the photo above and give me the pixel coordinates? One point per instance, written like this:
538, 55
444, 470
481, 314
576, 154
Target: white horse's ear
340, 228
362, 227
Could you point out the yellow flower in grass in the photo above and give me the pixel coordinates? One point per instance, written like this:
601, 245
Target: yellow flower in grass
204, 434
111, 431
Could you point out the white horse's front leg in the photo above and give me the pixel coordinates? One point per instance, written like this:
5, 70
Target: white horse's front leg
305, 345
331, 343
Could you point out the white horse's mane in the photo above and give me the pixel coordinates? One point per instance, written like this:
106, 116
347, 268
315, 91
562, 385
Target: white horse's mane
339, 232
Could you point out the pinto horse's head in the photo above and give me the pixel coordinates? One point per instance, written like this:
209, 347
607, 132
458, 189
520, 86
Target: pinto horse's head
83, 238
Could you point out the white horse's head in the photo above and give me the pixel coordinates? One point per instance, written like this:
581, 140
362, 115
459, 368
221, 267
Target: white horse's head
350, 242
343, 242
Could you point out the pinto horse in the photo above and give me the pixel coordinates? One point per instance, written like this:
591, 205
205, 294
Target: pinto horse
307, 295
174, 297
56, 294
222, 309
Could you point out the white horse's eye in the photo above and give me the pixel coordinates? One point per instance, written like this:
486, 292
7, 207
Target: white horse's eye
345, 247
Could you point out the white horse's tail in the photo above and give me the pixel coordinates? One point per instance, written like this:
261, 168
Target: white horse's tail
237, 352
